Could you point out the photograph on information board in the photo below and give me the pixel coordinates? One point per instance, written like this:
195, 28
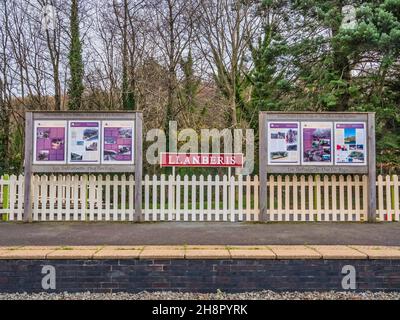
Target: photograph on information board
283, 143
118, 142
350, 143
317, 143
49, 142
83, 142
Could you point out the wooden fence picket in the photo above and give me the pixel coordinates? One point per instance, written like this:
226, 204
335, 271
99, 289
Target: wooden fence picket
341, 198
232, 198
201, 198
225, 198
178, 198
271, 210
334, 198
279, 195
115, 186
388, 202
256, 210
357, 198
349, 187
310, 184
396, 205
303, 198
217, 189
83, 197
365, 196
45, 192
185, 197
379, 194
99, 198
146, 184
52, 196
171, 200
318, 199
154, 198
68, 197
193, 212
287, 199
124, 216
20, 197
248, 211
240, 197
209, 198
12, 197
131, 201
60, 196
162, 198
327, 207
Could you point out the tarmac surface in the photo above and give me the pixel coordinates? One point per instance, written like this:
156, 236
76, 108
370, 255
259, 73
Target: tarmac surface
180, 233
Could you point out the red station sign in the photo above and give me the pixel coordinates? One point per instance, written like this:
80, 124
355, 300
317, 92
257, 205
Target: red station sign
226, 160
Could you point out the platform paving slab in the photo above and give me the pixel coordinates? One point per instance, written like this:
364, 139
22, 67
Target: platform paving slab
79, 247
252, 254
40, 247
72, 254
206, 247
39, 254
164, 247
339, 252
116, 247
116, 254
10, 247
379, 252
294, 252
165, 253
248, 247
205, 253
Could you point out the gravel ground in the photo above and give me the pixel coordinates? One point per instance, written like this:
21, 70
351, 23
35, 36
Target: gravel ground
165, 295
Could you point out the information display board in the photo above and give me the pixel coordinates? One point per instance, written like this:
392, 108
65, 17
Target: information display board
90, 142
83, 142
323, 142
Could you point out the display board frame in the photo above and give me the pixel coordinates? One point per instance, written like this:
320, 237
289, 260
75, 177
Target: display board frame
31, 167
332, 168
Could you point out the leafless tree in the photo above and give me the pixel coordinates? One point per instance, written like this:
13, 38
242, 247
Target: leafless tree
173, 31
225, 28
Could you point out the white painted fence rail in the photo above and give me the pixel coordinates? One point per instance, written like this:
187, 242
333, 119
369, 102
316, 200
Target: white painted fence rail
199, 198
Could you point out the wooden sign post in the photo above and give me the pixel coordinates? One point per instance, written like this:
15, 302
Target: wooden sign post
294, 142
210, 160
371, 168
72, 142
28, 167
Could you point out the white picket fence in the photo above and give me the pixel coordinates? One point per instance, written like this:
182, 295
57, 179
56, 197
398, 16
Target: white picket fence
211, 198
200, 199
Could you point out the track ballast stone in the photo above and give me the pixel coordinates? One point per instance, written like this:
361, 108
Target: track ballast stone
168, 295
